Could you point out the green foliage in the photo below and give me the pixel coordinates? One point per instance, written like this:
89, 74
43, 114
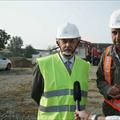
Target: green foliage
15, 46
4, 37
29, 50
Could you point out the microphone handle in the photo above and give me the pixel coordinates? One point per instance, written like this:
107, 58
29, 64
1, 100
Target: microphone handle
77, 105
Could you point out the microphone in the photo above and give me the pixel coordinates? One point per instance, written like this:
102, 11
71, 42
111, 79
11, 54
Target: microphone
77, 94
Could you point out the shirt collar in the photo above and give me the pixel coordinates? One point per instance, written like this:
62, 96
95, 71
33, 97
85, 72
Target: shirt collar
65, 60
116, 55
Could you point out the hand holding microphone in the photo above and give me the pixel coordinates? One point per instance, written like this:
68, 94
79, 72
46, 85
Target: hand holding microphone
77, 98
77, 94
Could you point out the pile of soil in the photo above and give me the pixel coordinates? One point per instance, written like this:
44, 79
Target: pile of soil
21, 62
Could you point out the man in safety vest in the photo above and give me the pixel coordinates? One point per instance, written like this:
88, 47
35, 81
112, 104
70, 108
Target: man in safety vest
108, 73
54, 78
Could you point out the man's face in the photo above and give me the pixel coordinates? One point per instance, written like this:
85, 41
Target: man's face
116, 37
68, 46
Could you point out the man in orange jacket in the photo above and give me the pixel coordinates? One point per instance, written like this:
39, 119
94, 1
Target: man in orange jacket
108, 73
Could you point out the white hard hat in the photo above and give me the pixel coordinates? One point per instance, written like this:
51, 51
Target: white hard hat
67, 31
115, 19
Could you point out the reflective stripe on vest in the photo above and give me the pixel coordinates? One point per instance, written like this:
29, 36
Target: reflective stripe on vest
107, 75
60, 108
62, 92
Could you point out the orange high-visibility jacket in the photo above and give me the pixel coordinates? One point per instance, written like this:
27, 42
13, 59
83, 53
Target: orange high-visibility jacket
107, 75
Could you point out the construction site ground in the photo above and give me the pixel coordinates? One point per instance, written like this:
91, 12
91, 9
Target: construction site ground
15, 94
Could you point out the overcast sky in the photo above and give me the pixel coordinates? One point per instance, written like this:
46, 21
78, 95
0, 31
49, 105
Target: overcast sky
36, 22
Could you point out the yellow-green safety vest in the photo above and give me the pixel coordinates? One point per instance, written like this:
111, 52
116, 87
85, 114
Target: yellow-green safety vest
57, 102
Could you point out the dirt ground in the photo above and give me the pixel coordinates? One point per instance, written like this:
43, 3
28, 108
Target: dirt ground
15, 90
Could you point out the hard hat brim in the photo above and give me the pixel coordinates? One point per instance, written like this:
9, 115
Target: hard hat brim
118, 26
70, 37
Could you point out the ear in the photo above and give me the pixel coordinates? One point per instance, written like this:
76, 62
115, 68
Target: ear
79, 39
78, 42
57, 42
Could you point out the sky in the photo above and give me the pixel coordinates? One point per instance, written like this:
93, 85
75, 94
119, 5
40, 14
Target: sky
36, 22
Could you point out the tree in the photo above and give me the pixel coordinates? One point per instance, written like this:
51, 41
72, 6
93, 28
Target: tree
15, 46
29, 50
4, 37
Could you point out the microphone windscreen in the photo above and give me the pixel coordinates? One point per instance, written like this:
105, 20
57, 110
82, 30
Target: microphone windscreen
77, 91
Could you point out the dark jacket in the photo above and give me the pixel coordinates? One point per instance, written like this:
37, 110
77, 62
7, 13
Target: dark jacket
102, 85
38, 85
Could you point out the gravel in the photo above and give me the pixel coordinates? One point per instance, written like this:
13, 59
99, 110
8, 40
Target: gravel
15, 99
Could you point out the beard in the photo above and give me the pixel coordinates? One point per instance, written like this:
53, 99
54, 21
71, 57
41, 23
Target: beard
117, 44
68, 54
116, 41
117, 47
